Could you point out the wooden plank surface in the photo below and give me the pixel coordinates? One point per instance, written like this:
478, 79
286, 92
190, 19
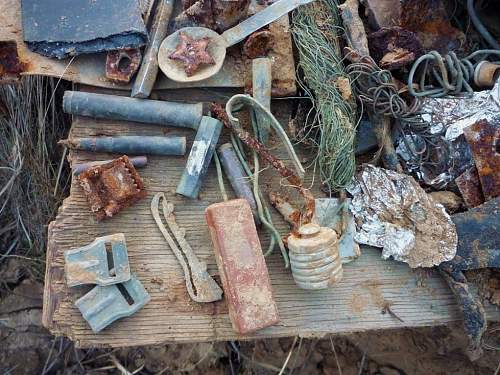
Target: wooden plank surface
89, 69
353, 305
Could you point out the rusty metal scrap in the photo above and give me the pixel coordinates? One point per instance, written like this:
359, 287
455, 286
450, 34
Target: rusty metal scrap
354, 28
394, 47
112, 187
484, 140
386, 13
431, 22
219, 112
258, 44
470, 187
11, 66
122, 64
200, 285
192, 53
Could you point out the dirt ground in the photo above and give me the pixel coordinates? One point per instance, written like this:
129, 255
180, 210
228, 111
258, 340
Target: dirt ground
27, 348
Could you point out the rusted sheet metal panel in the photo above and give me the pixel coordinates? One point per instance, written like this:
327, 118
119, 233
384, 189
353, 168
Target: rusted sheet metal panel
484, 140
11, 66
243, 270
470, 187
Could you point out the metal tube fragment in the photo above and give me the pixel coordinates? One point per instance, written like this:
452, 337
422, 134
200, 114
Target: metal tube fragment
137, 162
200, 157
132, 144
146, 77
131, 109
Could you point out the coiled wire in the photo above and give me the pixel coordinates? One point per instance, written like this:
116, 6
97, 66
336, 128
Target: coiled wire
445, 75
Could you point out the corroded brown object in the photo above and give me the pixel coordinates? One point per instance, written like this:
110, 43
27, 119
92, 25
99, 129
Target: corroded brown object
258, 44
394, 47
122, 64
192, 53
486, 74
10, 64
242, 267
112, 187
314, 257
484, 140
470, 188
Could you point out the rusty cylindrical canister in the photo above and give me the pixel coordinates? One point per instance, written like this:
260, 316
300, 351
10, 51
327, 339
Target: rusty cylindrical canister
314, 257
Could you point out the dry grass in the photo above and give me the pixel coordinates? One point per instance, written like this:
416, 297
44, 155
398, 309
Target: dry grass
31, 122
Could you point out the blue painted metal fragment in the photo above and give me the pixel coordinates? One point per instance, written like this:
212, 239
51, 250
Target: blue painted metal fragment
200, 157
104, 304
102, 262
329, 213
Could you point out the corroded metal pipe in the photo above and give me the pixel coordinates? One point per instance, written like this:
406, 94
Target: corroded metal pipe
200, 157
137, 161
132, 144
146, 77
236, 175
131, 109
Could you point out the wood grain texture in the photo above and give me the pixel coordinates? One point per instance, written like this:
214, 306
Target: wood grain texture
355, 304
89, 69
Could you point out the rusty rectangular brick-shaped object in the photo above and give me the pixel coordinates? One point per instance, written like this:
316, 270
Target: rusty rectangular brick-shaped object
243, 270
484, 140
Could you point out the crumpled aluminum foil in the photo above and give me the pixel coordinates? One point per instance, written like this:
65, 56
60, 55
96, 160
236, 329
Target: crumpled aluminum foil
455, 114
393, 212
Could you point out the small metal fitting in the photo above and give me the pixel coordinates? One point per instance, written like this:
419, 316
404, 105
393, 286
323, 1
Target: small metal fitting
486, 74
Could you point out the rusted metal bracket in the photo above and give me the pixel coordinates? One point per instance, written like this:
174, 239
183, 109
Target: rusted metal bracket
102, 262
200, 285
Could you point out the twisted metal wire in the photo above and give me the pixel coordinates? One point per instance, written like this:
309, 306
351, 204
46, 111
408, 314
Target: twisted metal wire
445, 75
376, 89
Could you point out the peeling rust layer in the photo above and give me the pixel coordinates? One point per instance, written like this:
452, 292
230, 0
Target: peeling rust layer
122, 64
10, 65
470, 187
112, 187
192, 53
484, 140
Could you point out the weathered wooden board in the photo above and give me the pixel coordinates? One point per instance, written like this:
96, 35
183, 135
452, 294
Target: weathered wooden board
355, 304
89, 69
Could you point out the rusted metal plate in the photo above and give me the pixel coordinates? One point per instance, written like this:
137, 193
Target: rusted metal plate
484, 140
470, 187
90, 69
122, 64
242, 266
10, 65
111, 187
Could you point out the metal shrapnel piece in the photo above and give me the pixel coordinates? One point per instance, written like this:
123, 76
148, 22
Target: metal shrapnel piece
104, 304
122, 64
102, 262
132, 144
115, 107
314, 257
469, 186
146, 77
484, 140
111, 187
200, 157
200, 285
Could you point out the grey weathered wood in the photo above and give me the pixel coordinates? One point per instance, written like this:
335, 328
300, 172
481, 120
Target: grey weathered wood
353, 305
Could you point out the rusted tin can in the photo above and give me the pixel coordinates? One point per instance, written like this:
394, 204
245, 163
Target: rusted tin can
314, 257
